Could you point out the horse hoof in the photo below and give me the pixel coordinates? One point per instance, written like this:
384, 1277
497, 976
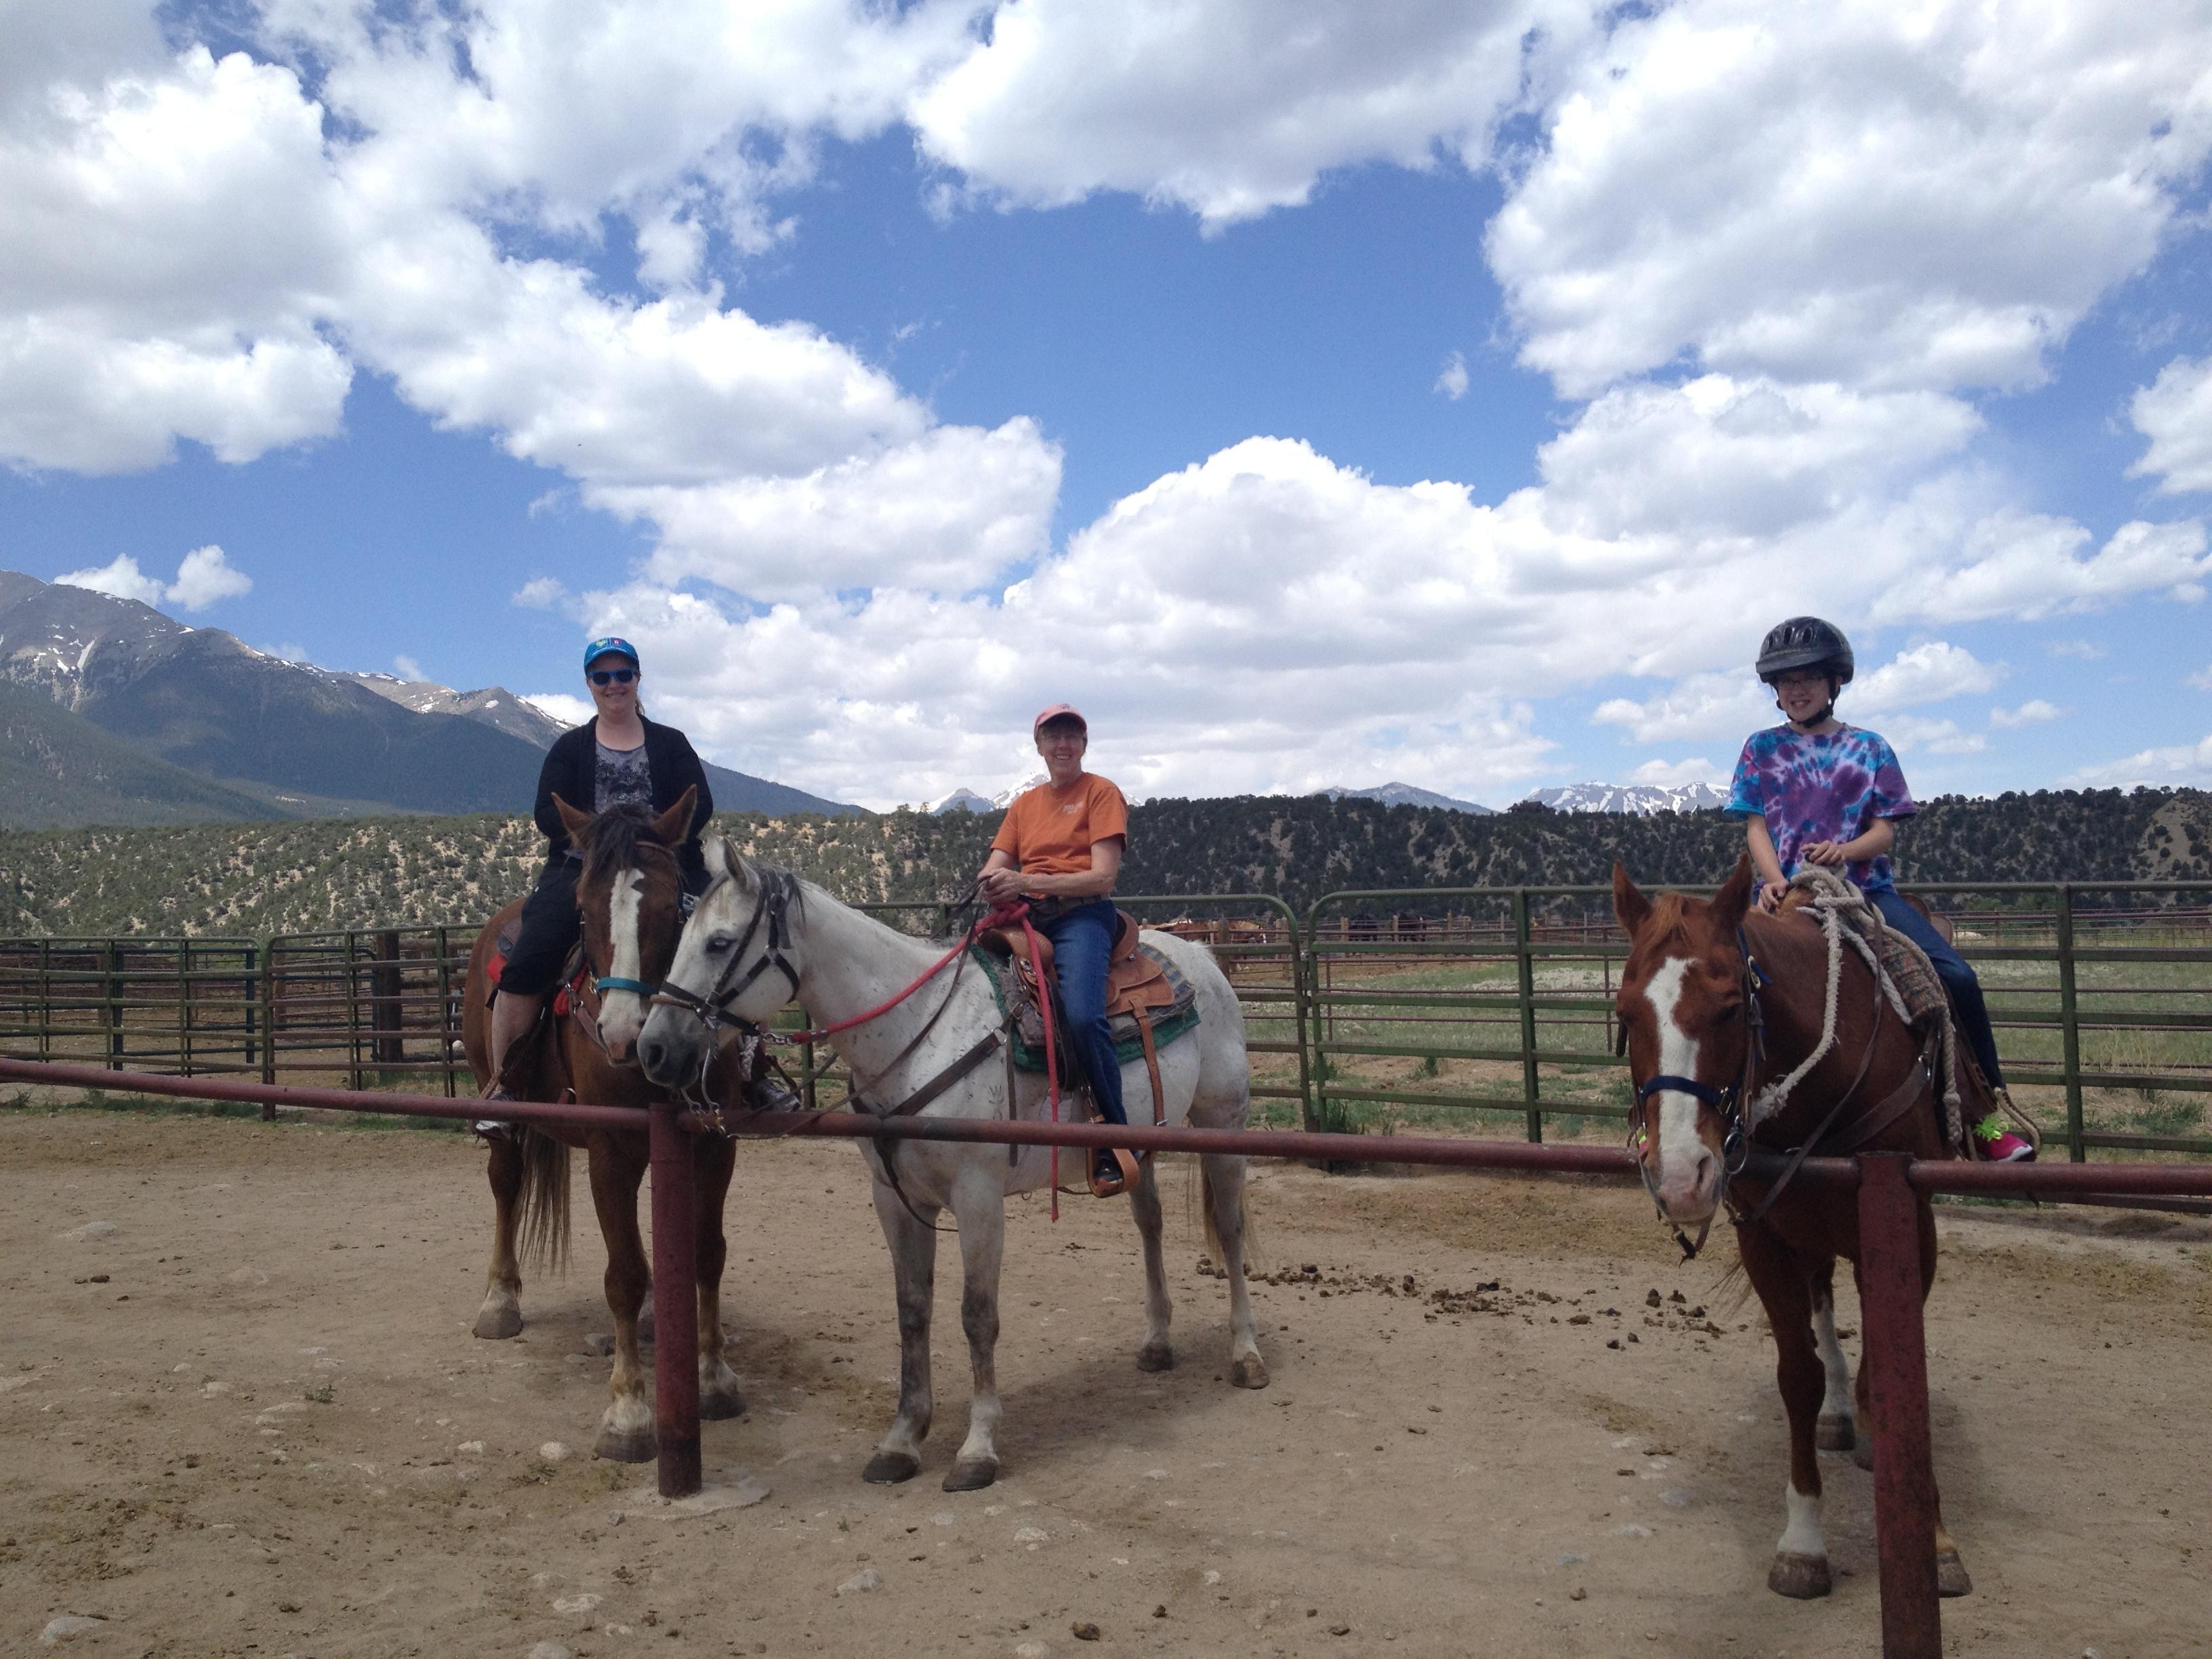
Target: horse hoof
1950, 1575
1156, 1356
1249, 1372
1800, 1578
1835, 1434
972, 1477
889, 1468
720, 1405
638, 1446
1862, 1452
497, 1324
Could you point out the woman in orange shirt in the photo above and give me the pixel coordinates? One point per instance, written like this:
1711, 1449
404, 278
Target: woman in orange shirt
1061, 849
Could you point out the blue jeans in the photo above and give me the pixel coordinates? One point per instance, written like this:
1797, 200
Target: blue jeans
1082, 940
1958, 979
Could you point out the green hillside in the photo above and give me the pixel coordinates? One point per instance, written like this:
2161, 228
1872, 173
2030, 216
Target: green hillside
58, 767
261, 879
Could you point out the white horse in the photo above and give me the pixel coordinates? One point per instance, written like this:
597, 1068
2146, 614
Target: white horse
759, 936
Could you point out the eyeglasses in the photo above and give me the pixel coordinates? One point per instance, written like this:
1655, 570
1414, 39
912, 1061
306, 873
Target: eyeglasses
613, 676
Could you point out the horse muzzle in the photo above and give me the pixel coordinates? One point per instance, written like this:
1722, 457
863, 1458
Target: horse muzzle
1688, 1187
667, 1051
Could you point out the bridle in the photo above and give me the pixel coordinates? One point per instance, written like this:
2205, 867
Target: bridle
1728, 1102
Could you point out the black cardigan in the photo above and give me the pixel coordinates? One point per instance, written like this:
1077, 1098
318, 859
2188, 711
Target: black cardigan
571, 771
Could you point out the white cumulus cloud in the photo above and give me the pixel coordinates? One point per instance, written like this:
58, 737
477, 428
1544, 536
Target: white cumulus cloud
2175, 412
2174, 766
2034, 712
2028, 566
1933, 672
204, 577
1230, 108
1882, 197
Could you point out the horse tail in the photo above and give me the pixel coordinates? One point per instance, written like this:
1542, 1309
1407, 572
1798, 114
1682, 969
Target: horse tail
543, 1231
1214, 1247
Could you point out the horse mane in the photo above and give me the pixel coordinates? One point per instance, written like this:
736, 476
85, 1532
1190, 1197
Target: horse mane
614, 839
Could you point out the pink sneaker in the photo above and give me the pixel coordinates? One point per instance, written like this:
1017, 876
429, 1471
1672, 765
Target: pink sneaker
1999, 1144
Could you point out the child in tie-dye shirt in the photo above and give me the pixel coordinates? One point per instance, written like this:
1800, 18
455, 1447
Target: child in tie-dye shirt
1816, 791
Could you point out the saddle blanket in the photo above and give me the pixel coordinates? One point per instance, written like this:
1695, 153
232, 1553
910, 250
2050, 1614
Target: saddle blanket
1174, 1020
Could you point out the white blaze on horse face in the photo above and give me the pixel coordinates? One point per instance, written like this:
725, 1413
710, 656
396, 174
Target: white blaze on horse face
622, 1014
1685, 1187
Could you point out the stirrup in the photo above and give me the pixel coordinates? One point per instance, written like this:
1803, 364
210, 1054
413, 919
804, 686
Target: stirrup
1124, 1177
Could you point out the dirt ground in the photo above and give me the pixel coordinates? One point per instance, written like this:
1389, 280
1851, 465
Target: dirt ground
246, 1416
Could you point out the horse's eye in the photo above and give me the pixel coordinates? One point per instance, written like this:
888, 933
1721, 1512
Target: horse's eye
1729, 1011
718, 943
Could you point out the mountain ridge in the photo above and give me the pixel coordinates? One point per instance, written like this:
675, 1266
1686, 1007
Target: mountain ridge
305, 739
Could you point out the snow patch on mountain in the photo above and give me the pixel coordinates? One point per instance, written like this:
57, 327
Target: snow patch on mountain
1641, 800
1404, 794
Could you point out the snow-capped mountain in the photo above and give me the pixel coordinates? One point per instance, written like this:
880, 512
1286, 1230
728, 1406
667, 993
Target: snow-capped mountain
1640, 799
493, 706
964, 799
1403, 795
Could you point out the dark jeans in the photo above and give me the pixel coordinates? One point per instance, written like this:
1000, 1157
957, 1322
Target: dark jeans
1082, 940
1958, 979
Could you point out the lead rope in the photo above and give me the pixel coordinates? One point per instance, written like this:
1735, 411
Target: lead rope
1051, 1059
1771, 1099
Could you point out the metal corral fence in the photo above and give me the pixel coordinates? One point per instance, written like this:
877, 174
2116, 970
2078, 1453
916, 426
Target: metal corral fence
1394, 1010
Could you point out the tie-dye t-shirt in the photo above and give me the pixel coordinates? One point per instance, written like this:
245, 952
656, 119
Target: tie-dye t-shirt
1813, 789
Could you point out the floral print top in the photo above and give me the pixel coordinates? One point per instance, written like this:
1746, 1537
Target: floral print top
1812, 789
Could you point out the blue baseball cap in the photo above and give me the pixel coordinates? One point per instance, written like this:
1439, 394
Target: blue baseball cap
609, 647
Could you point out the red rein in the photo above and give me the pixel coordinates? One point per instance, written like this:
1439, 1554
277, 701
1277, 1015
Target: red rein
1002, 918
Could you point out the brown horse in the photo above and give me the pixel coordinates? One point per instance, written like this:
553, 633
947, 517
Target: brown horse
1718, 1003
629, 897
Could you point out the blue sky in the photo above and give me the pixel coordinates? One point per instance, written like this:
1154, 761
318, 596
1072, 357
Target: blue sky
1453, 400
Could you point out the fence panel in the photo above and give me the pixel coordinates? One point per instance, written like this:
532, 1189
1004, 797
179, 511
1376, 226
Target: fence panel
1482, 1009
186, 1005
2102, 998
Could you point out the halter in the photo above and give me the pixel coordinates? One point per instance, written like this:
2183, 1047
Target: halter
684, 904
1735, 1137
713, 1009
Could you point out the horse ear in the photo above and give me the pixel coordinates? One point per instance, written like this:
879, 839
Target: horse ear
574, 821
673, 827
1630, 908
1735, 896
718, 853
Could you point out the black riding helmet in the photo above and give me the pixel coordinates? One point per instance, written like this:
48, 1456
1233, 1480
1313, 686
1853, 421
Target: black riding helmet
1805, 643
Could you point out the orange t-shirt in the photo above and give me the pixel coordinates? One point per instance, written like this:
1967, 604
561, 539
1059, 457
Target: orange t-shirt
1049, 831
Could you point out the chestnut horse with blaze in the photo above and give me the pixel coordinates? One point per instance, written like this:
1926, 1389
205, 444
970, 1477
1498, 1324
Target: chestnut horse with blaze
631, 897
1717, 1002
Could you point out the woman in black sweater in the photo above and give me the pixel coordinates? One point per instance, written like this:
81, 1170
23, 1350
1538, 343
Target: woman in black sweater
617, 756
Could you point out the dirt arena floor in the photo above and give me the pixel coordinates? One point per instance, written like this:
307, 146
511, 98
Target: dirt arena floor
241, 1412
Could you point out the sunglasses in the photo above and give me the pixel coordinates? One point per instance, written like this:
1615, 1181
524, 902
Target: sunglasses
612, 676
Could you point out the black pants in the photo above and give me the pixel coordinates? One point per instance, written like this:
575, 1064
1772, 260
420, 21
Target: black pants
550, 928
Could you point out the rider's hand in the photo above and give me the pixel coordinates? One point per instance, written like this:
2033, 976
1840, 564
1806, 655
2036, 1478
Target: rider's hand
1771, 894
1825, 852
1000, 888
